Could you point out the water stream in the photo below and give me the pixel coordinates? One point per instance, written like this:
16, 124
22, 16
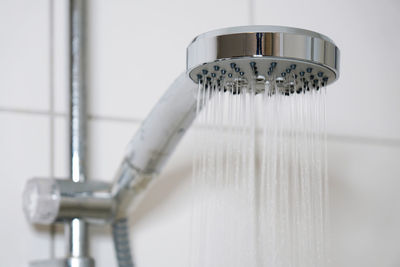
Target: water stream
259, 178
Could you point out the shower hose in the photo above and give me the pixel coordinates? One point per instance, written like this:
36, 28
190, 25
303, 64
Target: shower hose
120, 231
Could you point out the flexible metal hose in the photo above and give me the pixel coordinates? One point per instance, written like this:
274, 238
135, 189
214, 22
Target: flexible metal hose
120, 231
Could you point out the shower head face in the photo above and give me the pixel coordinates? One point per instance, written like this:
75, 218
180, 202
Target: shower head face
288, 58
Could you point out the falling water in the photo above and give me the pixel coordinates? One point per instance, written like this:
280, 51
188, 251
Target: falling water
260, 177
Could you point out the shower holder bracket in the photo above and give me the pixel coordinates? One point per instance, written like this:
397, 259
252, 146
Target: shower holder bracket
49, 201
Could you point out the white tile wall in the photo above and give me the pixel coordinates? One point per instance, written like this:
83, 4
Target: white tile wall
137, 48
60, 56
24, 56
61, 148
365, 203
364, 100
25, 150
125, 82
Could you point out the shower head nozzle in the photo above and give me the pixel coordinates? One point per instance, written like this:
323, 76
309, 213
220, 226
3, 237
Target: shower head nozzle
287, 57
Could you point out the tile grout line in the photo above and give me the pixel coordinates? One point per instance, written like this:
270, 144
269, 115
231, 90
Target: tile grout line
115, 119
25, 111
51, 111
387, 142
384, 141
61, 114
333, 137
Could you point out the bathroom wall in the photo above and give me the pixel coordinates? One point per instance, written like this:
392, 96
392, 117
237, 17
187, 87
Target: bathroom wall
135, 50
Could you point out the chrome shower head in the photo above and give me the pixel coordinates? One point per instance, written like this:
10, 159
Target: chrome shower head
291, 59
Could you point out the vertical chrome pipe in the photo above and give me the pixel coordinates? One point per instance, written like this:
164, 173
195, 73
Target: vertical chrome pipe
77, 234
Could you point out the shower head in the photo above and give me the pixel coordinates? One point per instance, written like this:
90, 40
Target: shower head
289, 58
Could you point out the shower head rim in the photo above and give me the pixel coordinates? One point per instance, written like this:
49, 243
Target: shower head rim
263, 42
261, 29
